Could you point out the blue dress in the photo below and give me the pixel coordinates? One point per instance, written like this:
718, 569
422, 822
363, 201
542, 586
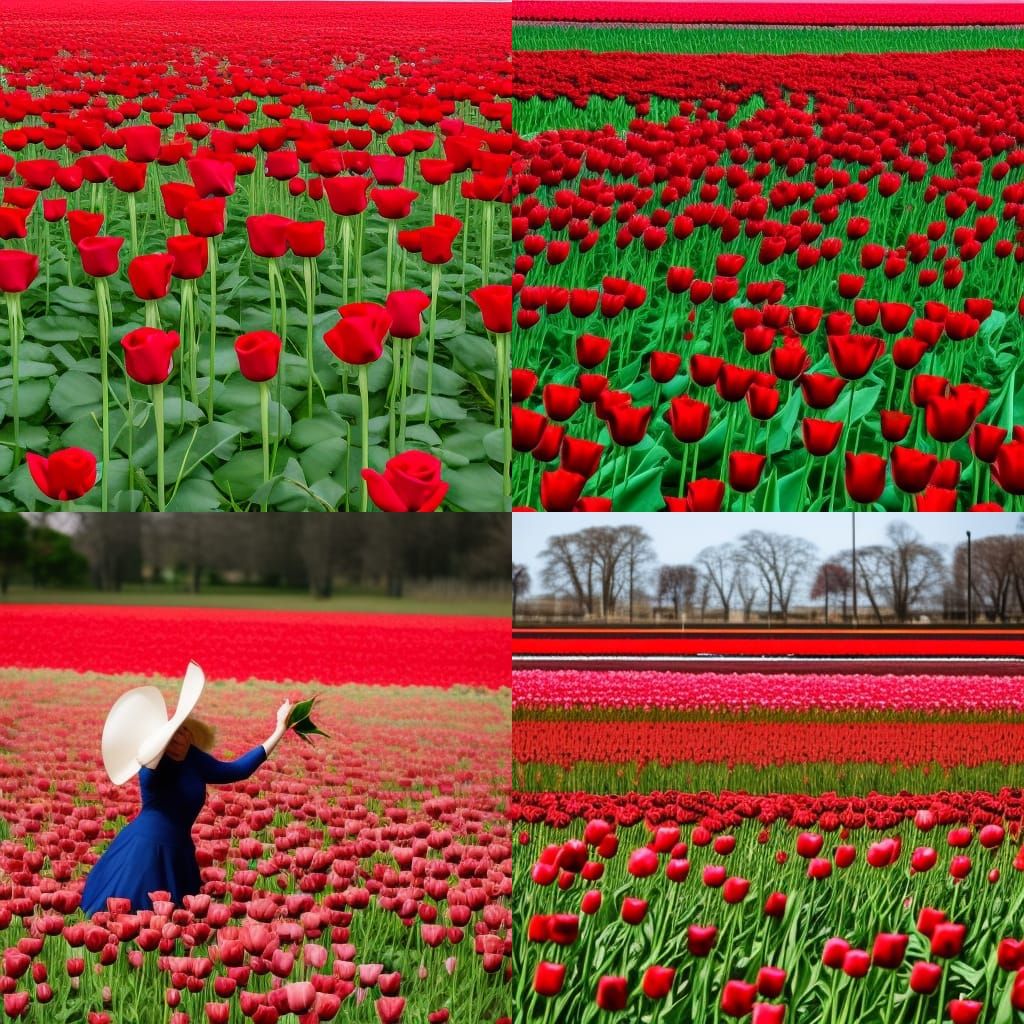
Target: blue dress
155, 851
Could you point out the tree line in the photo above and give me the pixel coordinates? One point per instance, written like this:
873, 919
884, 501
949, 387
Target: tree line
277, 549
606, 572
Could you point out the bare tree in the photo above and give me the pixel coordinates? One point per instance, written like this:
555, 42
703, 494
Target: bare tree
997, 574
566, 571
678, 583
520, 585
718, 565
597, 565
748, 586
781, 562
110, 542
638, 557
833, 578
917, 571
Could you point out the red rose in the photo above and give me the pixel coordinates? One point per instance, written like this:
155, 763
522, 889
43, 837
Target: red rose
65, 475
411, 482
358, 337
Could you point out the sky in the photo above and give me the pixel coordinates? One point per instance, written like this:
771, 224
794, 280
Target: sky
677, 538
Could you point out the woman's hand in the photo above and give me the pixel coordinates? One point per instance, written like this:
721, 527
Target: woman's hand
280, 729
282, 715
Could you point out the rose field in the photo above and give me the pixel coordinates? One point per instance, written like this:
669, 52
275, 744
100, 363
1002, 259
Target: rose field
768, 266
254, 258
771, 846
366, 877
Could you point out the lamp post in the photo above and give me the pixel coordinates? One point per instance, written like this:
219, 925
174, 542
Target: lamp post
853, 532
970, 589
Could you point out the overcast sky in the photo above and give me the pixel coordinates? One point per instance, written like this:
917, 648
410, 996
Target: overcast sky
678, 537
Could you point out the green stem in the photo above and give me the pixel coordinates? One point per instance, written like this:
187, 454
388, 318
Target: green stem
364, 422
407, 345
14, 325
212, 251
103, 306
307, 280
435, 282
158, 419
265, 427
346, 253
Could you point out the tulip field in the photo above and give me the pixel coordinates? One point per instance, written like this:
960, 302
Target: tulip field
364, 878
254, 258
818, 846
783, 281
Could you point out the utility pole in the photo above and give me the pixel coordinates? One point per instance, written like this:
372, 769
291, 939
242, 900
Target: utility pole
853, 531
970, 609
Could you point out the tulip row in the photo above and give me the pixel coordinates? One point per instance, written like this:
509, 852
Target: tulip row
568, 692
768, 924
334, 648
737, 297
368, 880
218, 375
776, 12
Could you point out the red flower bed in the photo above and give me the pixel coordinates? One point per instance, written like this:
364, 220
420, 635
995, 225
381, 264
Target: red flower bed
763, 744
676, 643
769, 13
791, 288
718, 812
375, 867
611, 693
329, 647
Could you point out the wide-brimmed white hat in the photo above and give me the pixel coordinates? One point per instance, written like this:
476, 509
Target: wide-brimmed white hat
137, 729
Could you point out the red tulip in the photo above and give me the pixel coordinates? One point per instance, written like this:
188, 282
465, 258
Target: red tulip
150, 276
100, 255
865, 477
258, 354
268, 234
548, 979
18, 270
148, 354
745, 470
405, 309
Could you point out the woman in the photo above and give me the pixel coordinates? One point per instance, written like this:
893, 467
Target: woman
155, 851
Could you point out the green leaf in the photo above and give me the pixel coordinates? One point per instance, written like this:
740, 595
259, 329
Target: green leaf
444, 382
474, 488
191, 448
321, 459
642, 490
300, 710
61, 327
325, 426
494, 445
249, 420
474, 353
76, 396
864, 401
32, 396
241, 475
195, 496
28, 369
441, 408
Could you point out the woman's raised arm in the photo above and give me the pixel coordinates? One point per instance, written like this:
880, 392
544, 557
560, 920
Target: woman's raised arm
242, 767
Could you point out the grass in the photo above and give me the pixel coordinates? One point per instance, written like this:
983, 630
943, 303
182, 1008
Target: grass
420, 603
762, 39
812, 777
